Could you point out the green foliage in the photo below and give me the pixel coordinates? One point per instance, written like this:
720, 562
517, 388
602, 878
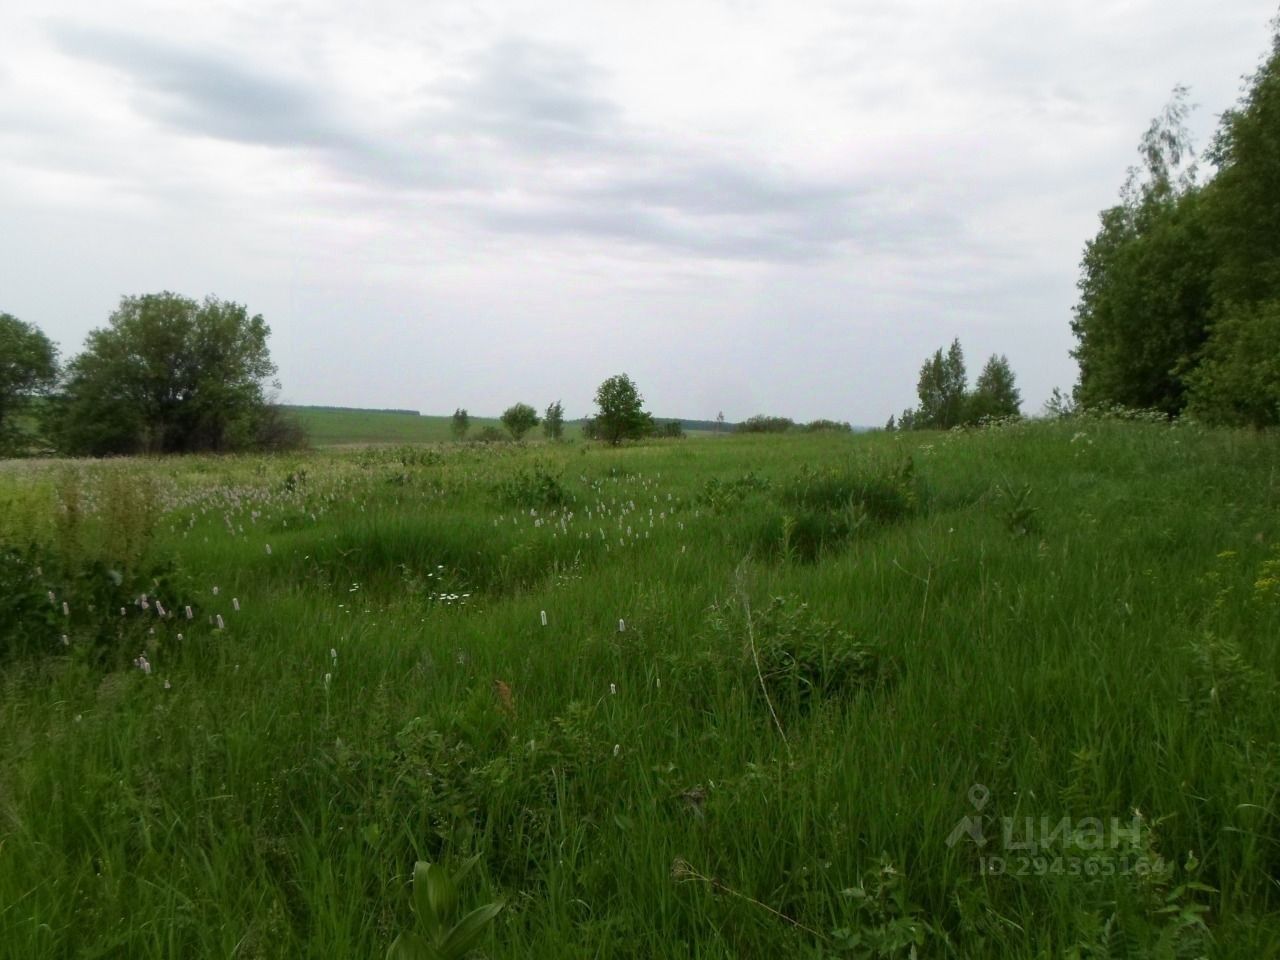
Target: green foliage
804, 660
1018, 513
720, 495
28, 367
882, 922
621, 414
533, 488
670, 430
519, 419
1177, 290
1238, 379
828, 426
168, 375
947, 402
443, 931
553, 421
995, 395
823, 509
761, 423
460, 423
941, 389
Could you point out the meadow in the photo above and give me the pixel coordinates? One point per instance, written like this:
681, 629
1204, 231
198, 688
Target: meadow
1005, 692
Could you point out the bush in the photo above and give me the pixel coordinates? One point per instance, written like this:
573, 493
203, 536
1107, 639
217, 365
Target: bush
801, 658
823, 426
764, 424
538, 487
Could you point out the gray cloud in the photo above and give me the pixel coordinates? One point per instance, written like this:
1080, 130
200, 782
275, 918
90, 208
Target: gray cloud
522, 117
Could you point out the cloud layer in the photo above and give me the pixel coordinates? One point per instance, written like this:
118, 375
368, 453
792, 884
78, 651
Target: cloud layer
749, 206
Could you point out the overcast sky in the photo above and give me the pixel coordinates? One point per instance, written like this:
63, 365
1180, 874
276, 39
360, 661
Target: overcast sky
775, 207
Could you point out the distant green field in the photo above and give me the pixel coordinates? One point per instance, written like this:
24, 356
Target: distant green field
335, 427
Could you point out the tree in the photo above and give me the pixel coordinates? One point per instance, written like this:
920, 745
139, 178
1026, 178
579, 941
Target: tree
1144, 285
1238, 379
519, 419
995, 394
168, 374
621, 412
28, 367
553, 421
719, 423
941, 389
460, 423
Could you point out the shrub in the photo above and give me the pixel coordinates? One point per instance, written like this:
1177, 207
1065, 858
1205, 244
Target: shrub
765, 424
824, 426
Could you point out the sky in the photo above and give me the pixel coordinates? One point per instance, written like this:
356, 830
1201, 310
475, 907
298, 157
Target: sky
749, 207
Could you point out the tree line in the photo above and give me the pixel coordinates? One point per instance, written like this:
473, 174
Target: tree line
167, 374
1179, 291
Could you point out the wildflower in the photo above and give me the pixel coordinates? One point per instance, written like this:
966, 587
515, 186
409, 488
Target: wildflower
617, 749
66, 611
544, 618
235, 604
66, 641
622, 626
328, 679
215, 591
613, 689
143, 664
333, 655
160, 608
221, 625
168, 685
189, 613
268, 549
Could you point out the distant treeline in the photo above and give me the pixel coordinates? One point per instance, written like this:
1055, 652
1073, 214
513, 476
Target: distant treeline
303, 406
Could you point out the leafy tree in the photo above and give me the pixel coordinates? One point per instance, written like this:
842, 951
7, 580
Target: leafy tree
941, 389
168, 374
1145, 278
1244, 210
460, 423
519, 419
1238, 379
995, 394
553, 421
671, 430
621, 413
28, 367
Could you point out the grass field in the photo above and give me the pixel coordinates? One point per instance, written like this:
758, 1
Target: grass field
756, 698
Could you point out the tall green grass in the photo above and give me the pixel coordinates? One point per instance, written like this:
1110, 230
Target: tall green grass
772, 670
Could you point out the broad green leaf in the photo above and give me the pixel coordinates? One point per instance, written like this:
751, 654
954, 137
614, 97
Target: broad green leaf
469, 929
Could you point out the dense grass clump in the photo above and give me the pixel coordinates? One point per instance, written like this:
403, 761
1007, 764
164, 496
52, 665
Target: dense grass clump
760, 696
